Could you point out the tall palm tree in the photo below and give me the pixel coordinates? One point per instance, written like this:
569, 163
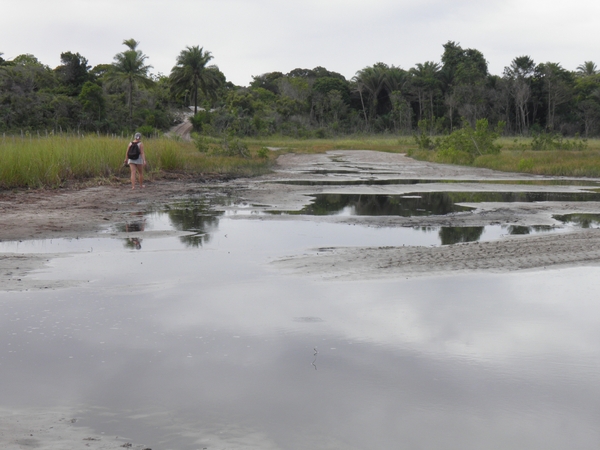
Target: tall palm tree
129, 68
426, 80
588, 68
371, 81
396, 79
192, 73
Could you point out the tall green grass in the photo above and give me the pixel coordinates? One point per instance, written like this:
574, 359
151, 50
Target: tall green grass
516, 156
52, 161
36, 162
585, 163
386, 143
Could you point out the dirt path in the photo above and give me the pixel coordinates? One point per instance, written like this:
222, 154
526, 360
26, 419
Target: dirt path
183, 130
42, 214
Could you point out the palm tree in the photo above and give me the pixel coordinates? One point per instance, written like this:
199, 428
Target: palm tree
371, 80
588, 68
129, 67
426, 80
192, 73
396, 79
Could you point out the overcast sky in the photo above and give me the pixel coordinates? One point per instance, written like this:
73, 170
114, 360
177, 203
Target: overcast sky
251, 37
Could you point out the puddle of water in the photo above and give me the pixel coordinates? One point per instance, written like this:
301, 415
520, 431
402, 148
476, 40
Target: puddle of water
375, 180
580, 220
210, 349
383, 205
272, 236
199, 344
423, 203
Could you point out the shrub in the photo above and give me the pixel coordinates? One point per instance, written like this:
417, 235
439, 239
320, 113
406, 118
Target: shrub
452, 155
201, 120
423, 139
525, 165
200, 143
476, 141
263, 152
234, 147
320, 133
147, 131
555, 141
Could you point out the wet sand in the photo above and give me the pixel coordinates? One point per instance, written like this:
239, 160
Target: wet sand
54, 430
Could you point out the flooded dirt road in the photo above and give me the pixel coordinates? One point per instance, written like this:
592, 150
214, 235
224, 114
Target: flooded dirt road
351, 300
297, 178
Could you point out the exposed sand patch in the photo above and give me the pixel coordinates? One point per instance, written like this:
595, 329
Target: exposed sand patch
506, 255
54, 430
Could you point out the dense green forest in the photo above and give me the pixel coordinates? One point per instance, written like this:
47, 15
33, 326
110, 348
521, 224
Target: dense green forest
113, 98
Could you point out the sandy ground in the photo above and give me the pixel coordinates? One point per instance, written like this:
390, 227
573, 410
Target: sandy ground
89, 211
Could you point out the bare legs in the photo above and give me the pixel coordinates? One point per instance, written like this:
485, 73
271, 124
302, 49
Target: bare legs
139, 168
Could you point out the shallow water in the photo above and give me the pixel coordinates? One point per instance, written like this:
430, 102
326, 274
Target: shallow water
196, 342
580, 220
376, 179
425, 203
273, 236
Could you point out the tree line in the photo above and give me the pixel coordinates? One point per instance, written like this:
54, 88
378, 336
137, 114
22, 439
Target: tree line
529, 98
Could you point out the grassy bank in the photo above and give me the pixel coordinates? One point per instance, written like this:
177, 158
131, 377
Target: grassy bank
52, 161
379, 143
516, 156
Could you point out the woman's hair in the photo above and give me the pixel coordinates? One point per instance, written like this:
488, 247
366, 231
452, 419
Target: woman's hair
138, 135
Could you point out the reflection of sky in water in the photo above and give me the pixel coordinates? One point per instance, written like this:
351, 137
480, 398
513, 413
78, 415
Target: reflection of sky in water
186, 348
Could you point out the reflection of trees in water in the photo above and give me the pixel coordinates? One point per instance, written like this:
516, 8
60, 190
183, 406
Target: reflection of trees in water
518, 229
196, 217
580, 220
426, 229
454, 235
541, 228
426, 203
434, 203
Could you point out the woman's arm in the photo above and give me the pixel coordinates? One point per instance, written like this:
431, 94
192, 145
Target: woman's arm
143, 155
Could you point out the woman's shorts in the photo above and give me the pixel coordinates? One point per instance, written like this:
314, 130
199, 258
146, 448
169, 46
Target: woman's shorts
135, 161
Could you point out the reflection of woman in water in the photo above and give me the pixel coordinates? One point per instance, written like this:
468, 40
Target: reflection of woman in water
133, 243
137, 165
135, 226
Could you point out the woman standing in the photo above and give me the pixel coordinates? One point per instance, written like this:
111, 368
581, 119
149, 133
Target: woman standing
136, 158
